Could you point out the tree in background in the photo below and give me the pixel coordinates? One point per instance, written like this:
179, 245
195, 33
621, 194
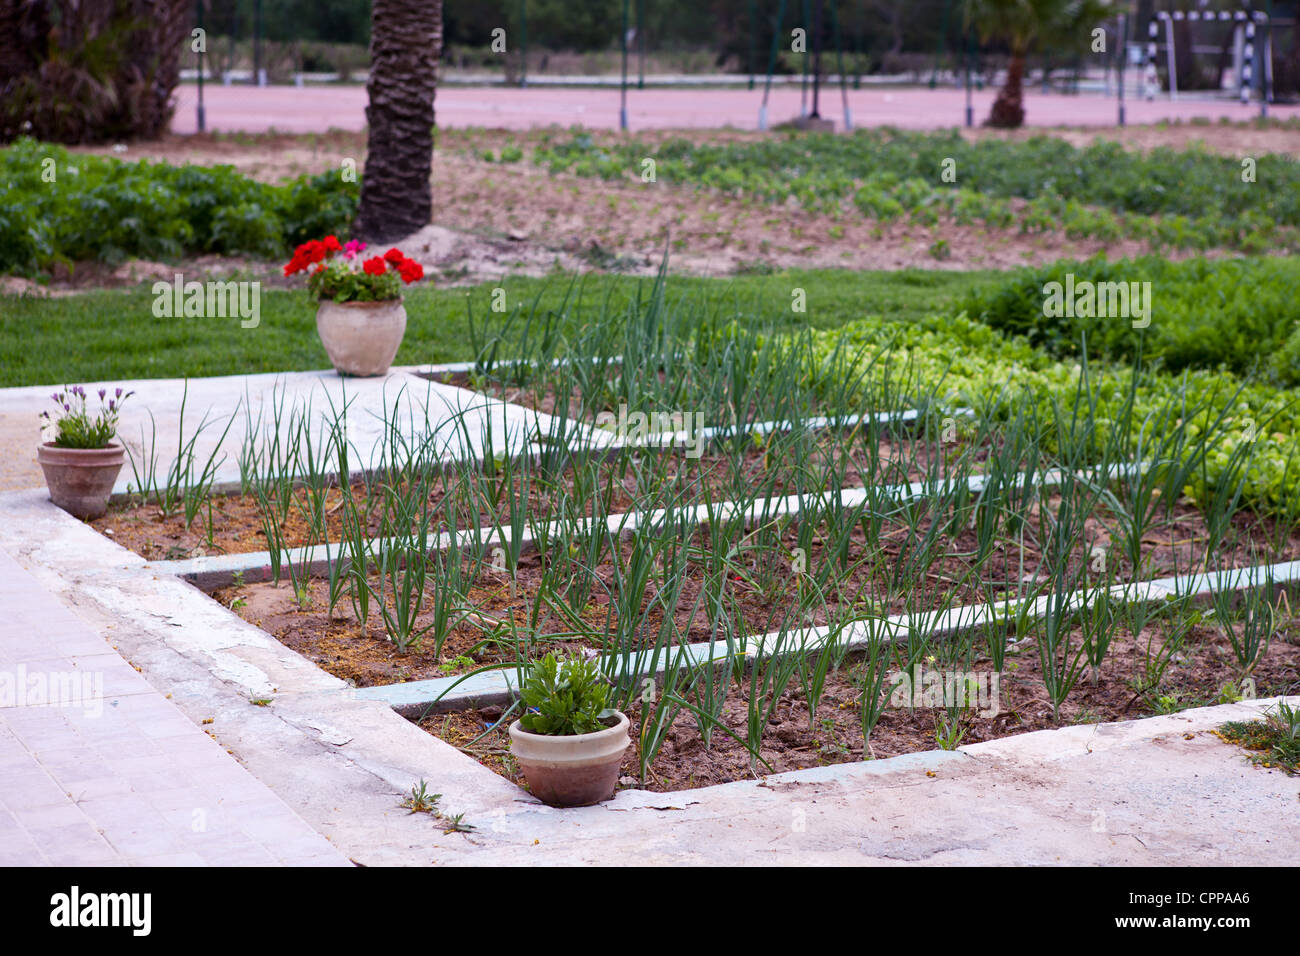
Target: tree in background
405, 44
86, 71
1023, 24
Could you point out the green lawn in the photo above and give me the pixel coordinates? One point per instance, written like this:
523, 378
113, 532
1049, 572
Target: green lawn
114, 335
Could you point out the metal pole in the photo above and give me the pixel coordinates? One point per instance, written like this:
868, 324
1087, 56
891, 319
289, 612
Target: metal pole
1267, 78
1259, 75
640, 44
817, 56
943, 35
803, 85
523, 43
1123, 61
839, 58
753, 42
200, 119
1173, 64
970, 106
257, 42
771, 63
622, 111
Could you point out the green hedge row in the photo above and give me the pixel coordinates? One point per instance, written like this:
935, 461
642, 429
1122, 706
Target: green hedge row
61, 206
1239, 314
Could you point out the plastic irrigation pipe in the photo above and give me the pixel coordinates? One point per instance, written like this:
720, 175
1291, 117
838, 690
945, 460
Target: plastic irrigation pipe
498, 686
218, 571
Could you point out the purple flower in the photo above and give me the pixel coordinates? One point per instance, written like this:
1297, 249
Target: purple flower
119, 394
102, 393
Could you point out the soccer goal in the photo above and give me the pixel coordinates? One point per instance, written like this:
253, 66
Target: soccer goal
1247, 57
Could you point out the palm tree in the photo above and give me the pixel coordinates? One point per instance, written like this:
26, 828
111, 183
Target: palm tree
1022, 24
405, 45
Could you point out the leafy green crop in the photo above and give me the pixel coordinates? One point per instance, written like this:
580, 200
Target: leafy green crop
55, 205
564, 700
1242, 314
977, 366
1183, 198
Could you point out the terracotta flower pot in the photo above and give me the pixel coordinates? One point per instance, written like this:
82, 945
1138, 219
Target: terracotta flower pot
573, 771
361, 338
81, 479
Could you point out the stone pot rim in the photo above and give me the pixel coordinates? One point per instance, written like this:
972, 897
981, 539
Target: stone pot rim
621, 724
111, 446
373, 304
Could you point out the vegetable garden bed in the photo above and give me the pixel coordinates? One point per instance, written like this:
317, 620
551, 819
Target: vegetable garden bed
756, 608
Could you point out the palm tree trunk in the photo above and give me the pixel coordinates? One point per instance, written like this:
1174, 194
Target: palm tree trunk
405, 44
1009, 108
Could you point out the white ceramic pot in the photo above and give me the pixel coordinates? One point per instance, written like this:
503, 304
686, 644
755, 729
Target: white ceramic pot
573, 771
361, 338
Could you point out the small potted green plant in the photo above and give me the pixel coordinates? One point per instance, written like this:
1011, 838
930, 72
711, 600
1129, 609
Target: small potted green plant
361, 319
569, 743
81, 464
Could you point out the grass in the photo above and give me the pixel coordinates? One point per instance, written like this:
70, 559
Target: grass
1275, 740
113, 335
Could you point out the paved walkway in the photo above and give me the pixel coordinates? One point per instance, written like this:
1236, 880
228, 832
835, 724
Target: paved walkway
98, 768
311, 109
100, 765
453, 419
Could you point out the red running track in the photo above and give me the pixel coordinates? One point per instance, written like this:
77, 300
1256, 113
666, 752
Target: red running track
318, 108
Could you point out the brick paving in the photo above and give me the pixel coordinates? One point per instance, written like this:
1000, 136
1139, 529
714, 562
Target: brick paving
98, 768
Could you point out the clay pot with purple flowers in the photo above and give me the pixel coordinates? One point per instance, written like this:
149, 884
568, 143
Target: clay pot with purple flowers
82, 463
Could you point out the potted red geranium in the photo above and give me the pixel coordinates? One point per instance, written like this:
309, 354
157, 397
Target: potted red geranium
360, 319
82, 462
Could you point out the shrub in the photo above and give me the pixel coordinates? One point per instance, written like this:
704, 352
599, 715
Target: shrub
58, 206
1239, 314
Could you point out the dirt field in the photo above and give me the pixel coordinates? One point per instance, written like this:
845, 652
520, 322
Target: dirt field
493, 219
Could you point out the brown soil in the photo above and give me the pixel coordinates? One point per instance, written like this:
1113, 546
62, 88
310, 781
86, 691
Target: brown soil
515, 218
232, 524
1204, 672
761, 584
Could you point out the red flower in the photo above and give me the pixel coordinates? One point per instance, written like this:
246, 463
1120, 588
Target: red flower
375, 266
395, 256
410, 270
332, 245
298, 263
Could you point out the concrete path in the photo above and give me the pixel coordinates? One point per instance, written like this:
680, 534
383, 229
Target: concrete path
98, 768
455, 420
1161, 791
314, 108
